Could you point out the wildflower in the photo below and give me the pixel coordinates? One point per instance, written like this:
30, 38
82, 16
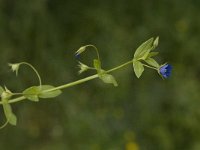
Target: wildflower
165, 70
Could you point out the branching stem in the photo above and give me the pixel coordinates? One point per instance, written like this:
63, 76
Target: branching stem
68, 84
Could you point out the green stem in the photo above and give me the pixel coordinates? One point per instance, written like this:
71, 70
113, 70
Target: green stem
2, 126
118, 67
39, 78
90, 45
86, 79
150, 67
16, 99
72, 83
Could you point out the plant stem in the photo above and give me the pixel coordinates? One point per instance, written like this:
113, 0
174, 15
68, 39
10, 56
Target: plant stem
150, 67
39, 78
118, 67
85, 79
71, 83
90, 45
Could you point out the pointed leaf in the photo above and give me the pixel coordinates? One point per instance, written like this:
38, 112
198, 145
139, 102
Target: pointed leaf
107, 78
152, 54
155, 43
138, 68
32, 93
10, 116
143, 48
49, 94
1, 90
152, 62
97, 64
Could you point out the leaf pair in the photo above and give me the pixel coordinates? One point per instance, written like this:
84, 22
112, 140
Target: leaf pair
143, 53
105, 77
35, 92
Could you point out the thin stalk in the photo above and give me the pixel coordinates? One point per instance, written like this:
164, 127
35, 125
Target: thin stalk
72, 83
39, 78
118, 67
2, 126
150, 67
90, 45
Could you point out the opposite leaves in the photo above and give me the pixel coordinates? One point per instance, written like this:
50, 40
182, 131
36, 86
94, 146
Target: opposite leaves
105, 77
35, 92
143, 53
32, 93
49, 94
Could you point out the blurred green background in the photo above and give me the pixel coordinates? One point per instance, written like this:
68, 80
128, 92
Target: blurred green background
144, 114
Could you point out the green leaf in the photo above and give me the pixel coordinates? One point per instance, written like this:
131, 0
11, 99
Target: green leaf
138, 68
152, 62
10, 116
49, 94
1, 90
32, 93
152, 54
107, 78
97, 65
155, 43
35, 92
143, 49
142, 52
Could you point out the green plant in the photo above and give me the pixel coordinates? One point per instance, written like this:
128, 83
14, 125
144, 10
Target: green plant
143, 57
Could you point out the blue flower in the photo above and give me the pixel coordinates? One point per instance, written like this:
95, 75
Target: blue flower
165, 70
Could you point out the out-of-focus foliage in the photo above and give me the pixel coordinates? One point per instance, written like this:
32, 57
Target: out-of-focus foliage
145, 114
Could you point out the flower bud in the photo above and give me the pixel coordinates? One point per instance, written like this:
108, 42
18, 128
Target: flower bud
82, 67
6, 94
165, 70
15, 67
80, 50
